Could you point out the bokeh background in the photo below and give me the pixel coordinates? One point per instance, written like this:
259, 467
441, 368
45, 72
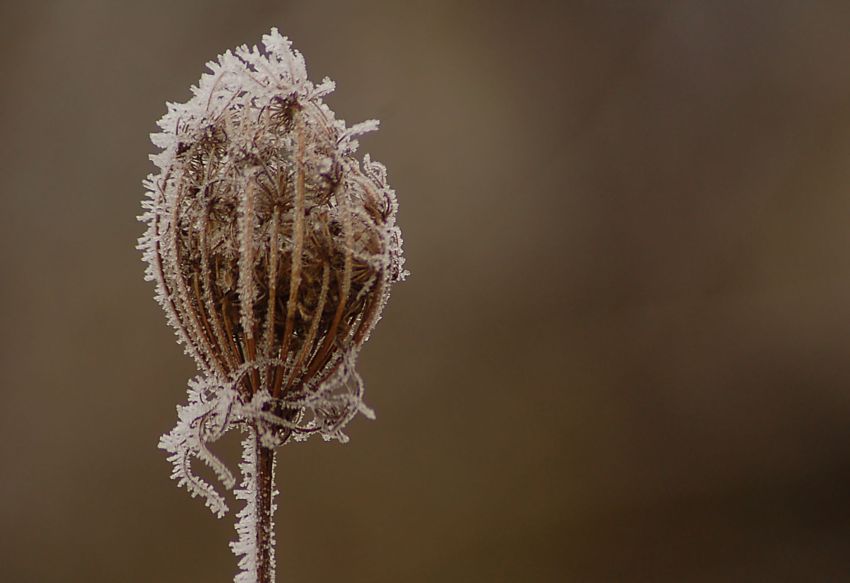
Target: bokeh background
623, 351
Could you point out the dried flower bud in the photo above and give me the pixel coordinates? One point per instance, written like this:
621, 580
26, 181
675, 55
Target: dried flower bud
273, 249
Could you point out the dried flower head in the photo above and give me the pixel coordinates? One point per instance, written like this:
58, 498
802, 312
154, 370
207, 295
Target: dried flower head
273, 249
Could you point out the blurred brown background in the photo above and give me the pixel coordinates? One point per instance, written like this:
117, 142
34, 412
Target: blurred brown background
623, 351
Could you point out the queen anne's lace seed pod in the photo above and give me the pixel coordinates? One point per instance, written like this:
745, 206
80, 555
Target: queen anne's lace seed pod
273, 249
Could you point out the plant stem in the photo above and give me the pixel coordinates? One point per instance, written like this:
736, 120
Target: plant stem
264, 473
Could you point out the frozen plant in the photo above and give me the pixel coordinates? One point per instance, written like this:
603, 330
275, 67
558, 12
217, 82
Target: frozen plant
273, 250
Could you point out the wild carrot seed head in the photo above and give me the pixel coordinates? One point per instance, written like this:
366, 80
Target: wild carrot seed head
272, 246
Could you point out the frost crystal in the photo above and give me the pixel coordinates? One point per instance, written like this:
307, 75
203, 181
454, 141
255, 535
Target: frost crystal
272, 249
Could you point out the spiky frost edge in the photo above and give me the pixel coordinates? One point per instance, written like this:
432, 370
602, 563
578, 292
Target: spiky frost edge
202, 420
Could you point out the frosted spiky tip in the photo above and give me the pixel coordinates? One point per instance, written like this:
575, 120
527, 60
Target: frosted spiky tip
273, 250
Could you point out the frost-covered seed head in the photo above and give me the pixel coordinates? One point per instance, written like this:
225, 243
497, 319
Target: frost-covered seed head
272, 246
